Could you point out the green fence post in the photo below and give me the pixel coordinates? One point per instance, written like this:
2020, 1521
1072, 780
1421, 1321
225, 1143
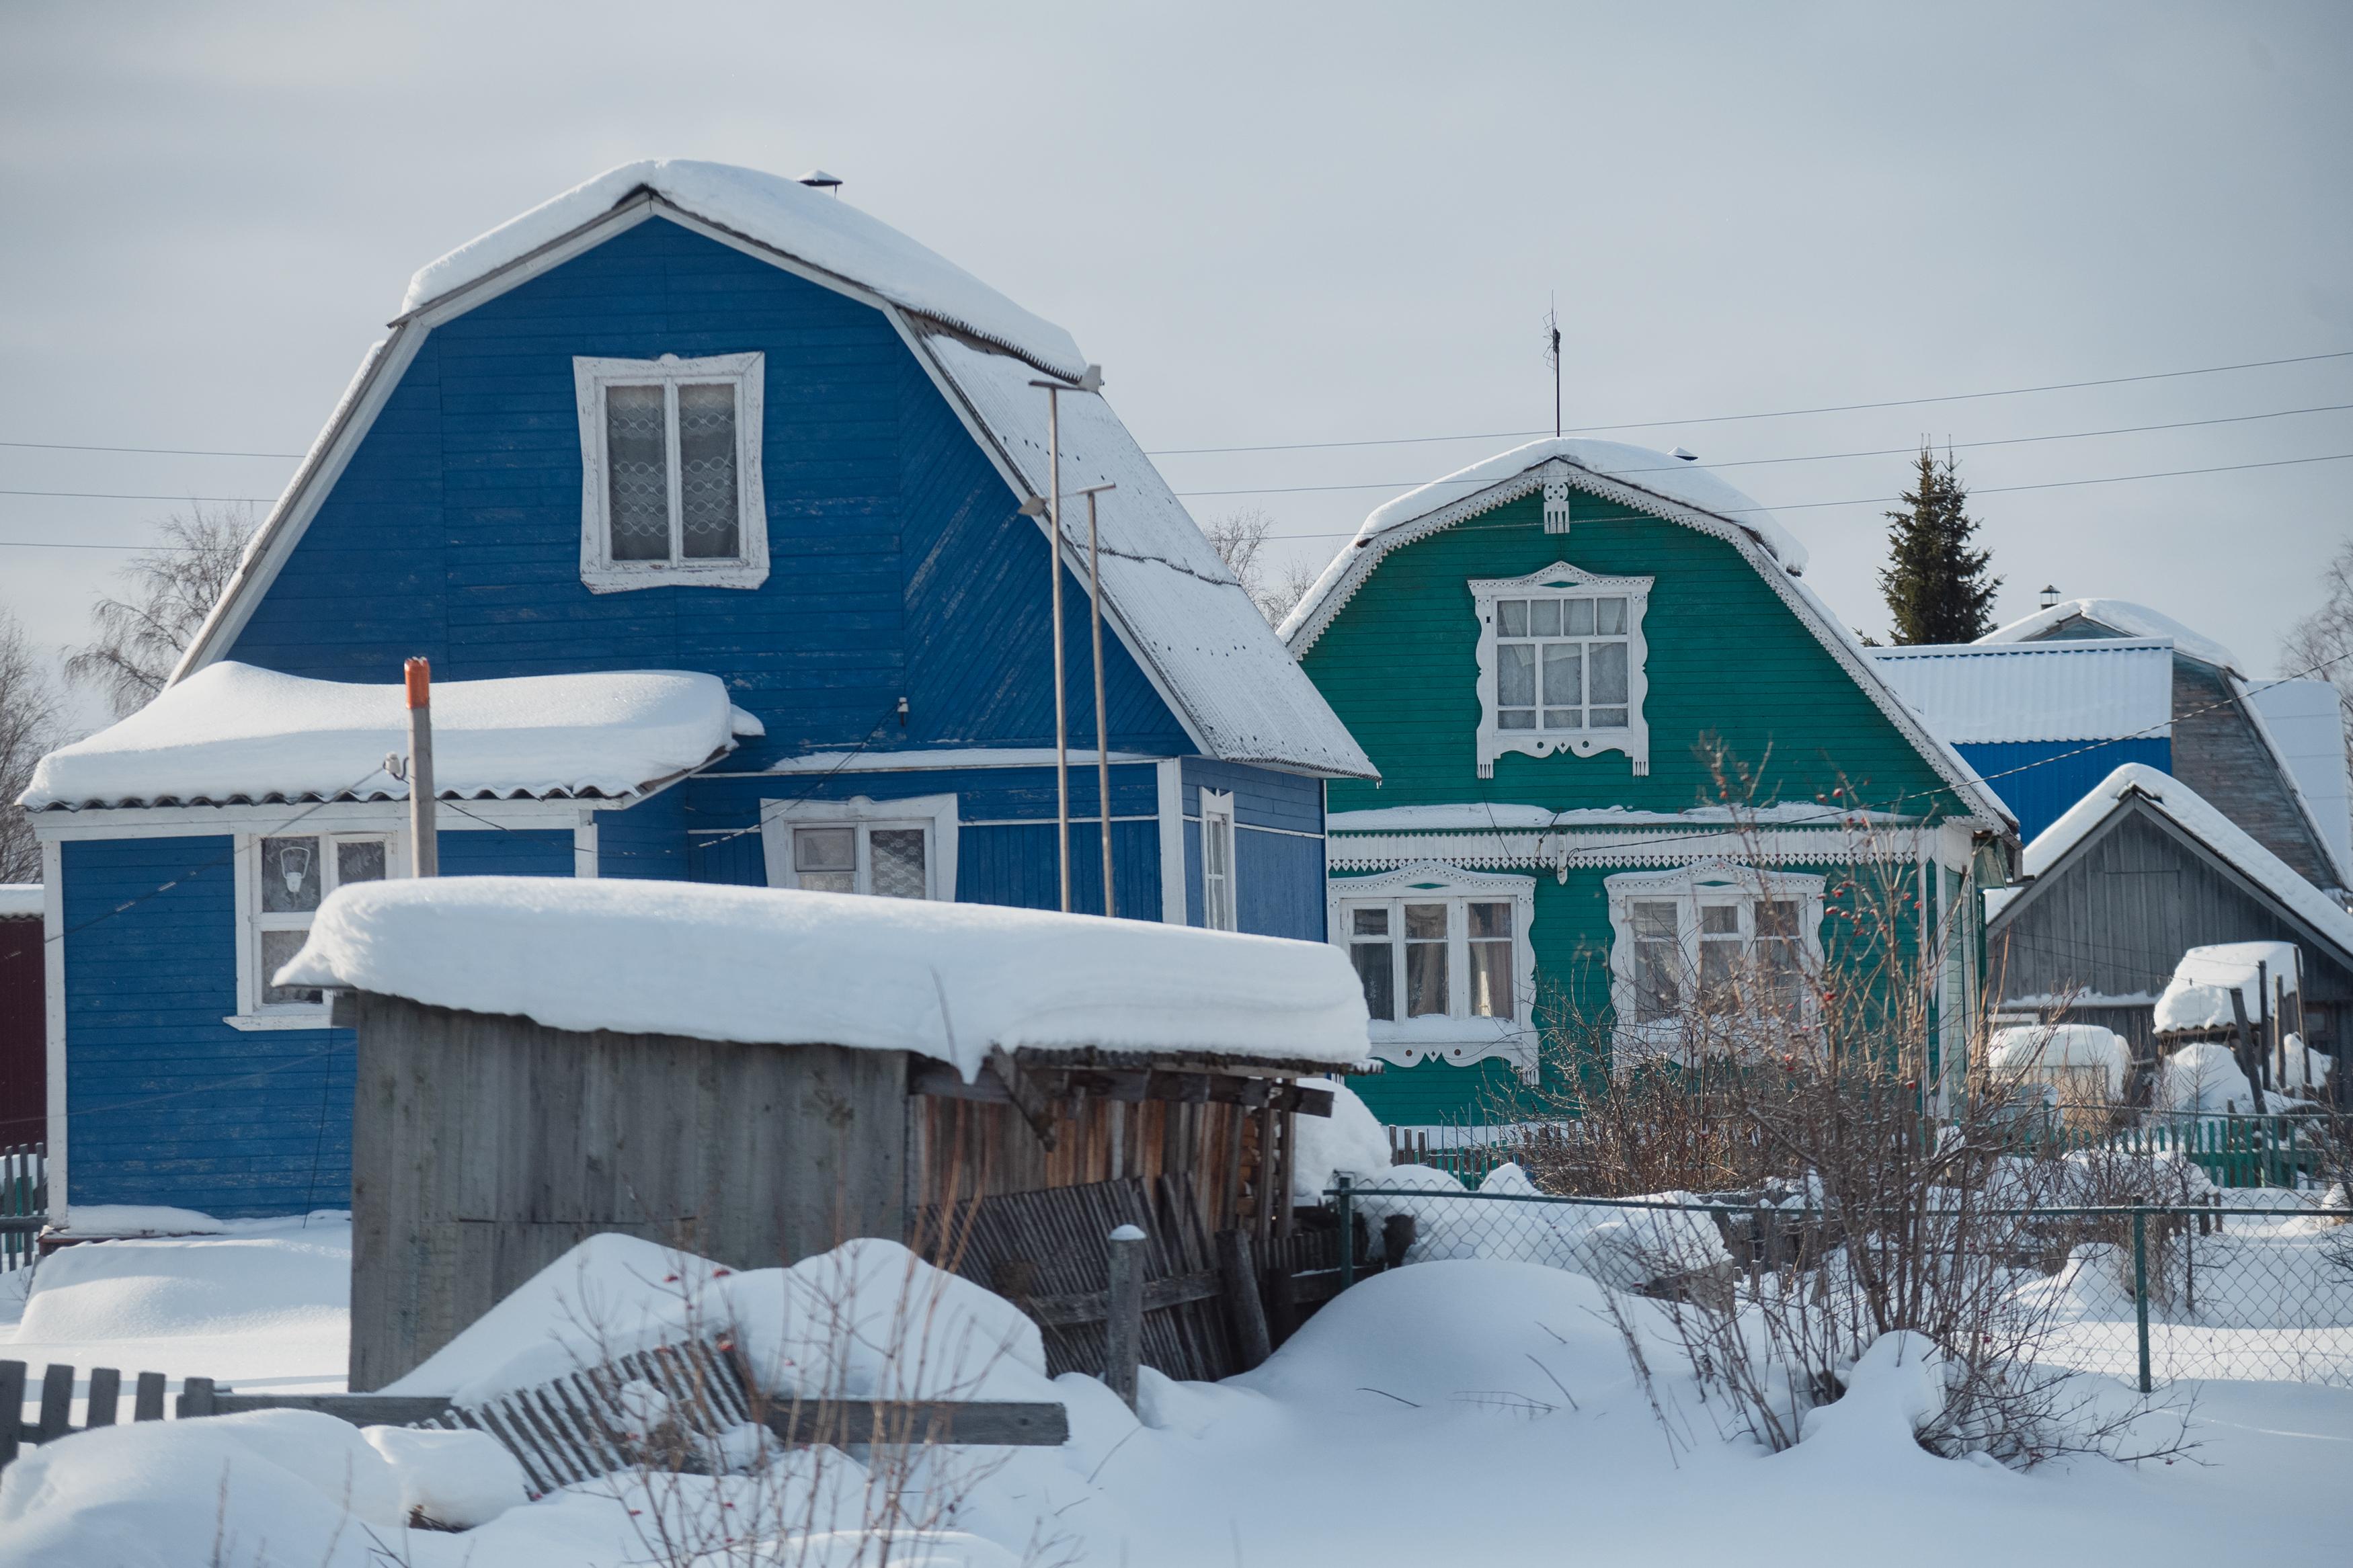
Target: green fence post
1344, 1201
2140, 1289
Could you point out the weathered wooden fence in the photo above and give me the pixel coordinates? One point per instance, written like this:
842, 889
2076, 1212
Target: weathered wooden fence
665, 1409
24, 1201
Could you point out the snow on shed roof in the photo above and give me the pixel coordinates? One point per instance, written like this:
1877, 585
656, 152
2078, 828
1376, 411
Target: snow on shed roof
233, 732
808, 224
2189, 811
2123, 617
2198, 994
20, 900
2066, 690
1186, 615
761, 965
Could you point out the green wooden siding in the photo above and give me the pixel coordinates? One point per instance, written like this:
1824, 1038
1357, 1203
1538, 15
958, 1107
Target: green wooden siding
1727, 656
1727, 661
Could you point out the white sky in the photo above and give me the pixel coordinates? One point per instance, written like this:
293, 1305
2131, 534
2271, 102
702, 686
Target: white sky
1289, 224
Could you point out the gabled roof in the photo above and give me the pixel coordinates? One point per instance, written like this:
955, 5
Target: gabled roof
1976, 693
2135, 785
1184, 617
1663, 487
2125, 619
234, 734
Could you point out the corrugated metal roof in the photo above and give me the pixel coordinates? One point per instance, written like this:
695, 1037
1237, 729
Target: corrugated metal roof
2081, 690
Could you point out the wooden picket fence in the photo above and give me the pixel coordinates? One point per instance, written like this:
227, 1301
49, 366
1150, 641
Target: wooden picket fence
573, 1429
24, 1201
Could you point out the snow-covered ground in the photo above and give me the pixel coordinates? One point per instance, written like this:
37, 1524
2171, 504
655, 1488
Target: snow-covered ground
1456, 1411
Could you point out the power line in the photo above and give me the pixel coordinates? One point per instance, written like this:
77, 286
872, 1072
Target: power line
1768, 414
121, 495
1803, 505
156, 451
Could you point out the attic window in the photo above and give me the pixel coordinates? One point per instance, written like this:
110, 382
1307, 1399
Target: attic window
1561, 655
670, 488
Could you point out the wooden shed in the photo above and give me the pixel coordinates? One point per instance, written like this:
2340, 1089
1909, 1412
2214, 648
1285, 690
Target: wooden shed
23, 1017
755, 1076
2139, 872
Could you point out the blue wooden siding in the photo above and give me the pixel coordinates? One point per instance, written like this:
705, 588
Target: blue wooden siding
899, 565
167, 1104
1278, 847
2038, 780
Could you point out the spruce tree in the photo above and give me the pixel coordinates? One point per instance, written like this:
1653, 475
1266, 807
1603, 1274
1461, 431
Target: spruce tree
1937, 588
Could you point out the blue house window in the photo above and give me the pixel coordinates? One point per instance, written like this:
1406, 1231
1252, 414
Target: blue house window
671, 487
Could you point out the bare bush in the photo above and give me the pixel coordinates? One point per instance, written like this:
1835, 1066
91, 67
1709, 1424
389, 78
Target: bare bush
28, 728
1241, 538
172, 587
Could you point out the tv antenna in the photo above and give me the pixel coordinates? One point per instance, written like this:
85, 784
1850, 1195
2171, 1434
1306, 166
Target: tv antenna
1552, 358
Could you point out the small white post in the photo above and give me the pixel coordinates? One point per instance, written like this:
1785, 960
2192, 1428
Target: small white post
1090, 381
1103, 728
424, 848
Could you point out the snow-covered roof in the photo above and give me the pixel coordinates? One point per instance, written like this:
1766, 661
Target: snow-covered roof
1665, 488
2198, 994
2190, 812
2036, 1046
20, 900
778, 966
2123, 617
784, 215
1649, 482
232, 733
1185, 615
2070, 690
2307, 726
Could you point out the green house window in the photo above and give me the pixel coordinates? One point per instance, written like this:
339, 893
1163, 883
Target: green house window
1561, 658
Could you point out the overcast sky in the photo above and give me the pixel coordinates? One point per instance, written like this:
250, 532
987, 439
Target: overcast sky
1293, 225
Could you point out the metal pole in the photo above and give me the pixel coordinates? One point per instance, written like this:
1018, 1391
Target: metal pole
2140, 1289
1102, 729
1123, 1332
424, 847
1344, 1201
1061, 717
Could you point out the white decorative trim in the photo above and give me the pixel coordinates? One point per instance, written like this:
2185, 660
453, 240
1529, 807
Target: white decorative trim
1367, 554
936, 813
1555, 503
53, 1012
585, 846
1563, 850
1710, 881
946, 758
334, 816
1217, 811
1634, 739
1458, 1039
598, 571
1169, 778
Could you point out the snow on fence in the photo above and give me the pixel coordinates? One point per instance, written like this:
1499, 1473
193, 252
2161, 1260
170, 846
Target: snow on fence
24, 1201
680, 1408
2254, 1285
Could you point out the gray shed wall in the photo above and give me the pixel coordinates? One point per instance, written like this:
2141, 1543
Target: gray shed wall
483, 1148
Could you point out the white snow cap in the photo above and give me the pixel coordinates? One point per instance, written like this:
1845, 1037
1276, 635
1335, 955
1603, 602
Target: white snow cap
234, 733
788, 967
20, 900
2033, 1047
808, 224
2199, 996
2125, 618
2190, 811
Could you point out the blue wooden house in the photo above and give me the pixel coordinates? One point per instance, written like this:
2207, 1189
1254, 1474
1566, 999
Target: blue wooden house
711, 501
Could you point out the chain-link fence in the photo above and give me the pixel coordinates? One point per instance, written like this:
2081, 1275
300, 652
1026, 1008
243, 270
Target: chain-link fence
2245, 1284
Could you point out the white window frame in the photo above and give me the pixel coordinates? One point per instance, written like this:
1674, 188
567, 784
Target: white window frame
1562, 580
252, 1012
598, 570
936, 814
1457, 1037
1217, 903
1691, 889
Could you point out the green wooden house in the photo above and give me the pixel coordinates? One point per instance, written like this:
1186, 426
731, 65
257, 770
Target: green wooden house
1544, 654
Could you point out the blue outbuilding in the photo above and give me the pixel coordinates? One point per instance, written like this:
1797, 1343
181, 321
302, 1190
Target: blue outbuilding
712, 502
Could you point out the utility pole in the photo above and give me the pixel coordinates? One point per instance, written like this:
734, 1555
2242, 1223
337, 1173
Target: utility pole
424, 848
1102, 726
1552, 358
1090, 381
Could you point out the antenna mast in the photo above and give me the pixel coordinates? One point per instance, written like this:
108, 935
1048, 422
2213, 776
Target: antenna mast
1552, 358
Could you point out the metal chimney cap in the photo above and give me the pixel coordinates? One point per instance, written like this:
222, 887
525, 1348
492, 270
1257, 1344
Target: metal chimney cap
1687, 456
818, 179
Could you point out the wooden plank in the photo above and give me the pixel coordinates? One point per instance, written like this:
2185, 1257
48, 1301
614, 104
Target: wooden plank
1094, 1306
148, 1404
1244, 1310
359, 1409
1055, 1085
105, 1391
195, 1397
996, 1422
12, 1409
1035, 1107
57, 1402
